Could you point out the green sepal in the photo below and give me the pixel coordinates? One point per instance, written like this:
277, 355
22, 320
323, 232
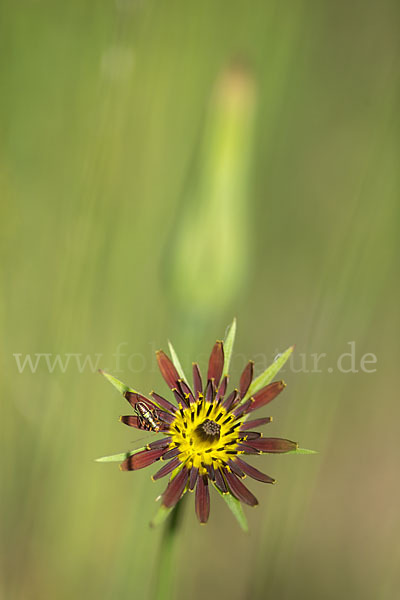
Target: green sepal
228, 346
236, 508
121, 387
267, 376
164, 511
160, 516
302, 451
119, 457
176, 362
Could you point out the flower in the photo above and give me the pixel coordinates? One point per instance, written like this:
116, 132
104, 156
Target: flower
206, 432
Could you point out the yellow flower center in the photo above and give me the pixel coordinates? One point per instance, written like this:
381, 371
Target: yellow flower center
205, 434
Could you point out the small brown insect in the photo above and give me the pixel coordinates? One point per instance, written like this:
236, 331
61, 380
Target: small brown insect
147, 417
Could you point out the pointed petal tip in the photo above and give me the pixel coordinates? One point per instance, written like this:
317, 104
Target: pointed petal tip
167, 368
298, 450
266, 394
246, 378
240, 491
216, 362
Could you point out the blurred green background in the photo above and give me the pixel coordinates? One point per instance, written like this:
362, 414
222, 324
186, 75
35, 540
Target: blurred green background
151, 190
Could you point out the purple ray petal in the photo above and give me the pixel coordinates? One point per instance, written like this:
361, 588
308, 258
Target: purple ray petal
202, 500
246, 378
167, 468
175, 488
266, 394
216, 362
141, 459
239, 490
253, 472
167, 369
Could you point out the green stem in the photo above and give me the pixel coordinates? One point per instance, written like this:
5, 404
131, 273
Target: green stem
164, 570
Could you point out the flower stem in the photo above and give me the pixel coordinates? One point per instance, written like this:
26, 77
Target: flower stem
164, 582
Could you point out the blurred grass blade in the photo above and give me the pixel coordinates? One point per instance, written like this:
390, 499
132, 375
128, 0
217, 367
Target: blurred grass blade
176, 362
121, 387
162, 513
302, 451
228, 346
236, 509
208, 260
119, 457
267, 376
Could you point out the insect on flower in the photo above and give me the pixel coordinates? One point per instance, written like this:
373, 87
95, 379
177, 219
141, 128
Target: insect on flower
206, 431
147, 417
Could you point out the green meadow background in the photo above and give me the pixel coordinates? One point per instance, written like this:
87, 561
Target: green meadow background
164, 167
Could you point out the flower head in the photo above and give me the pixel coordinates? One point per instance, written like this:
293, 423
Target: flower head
206, 432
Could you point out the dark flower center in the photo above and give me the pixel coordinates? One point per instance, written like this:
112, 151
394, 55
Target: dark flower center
208, 431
